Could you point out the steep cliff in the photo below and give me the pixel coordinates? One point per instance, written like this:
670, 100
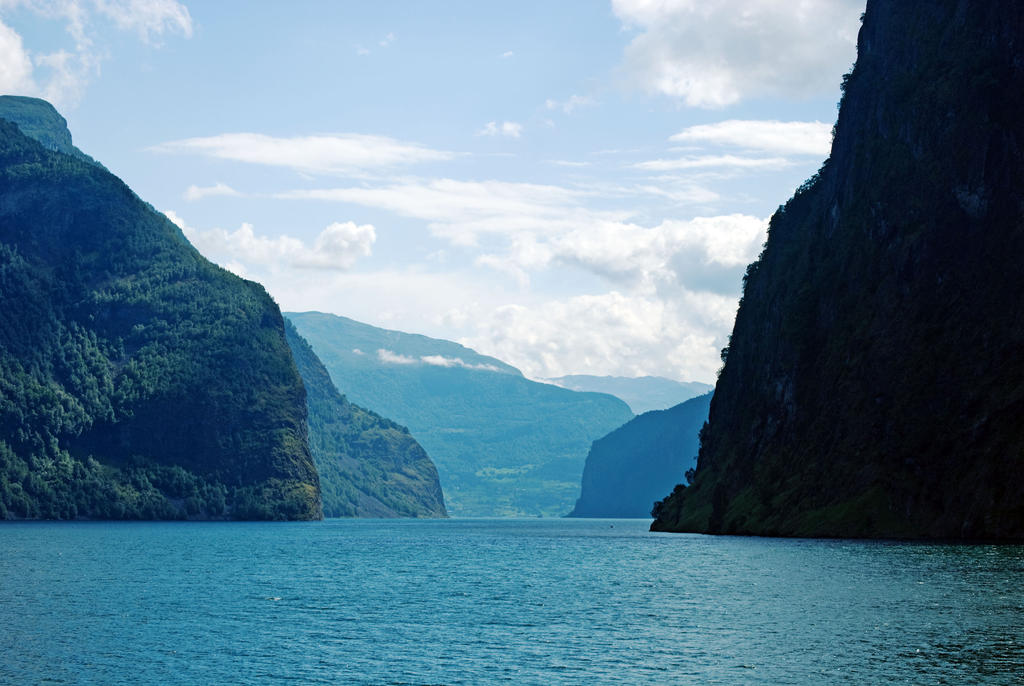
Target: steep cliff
635, 465
137, 379
369, 466
873, 382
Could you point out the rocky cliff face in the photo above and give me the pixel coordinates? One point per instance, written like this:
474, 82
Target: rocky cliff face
638, 463
873, 382
137, 379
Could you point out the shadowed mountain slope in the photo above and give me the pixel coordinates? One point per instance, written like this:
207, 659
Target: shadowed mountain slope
873, 383
638, 463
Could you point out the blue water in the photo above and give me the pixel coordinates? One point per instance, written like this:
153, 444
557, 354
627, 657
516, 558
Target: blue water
492, 601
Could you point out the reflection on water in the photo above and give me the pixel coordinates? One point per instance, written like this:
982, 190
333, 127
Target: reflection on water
482, 601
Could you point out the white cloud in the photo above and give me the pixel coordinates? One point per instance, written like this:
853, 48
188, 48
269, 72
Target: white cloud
62, 76
508, 53
506, 128
567, 163
460, 210
534, 227
390, 357
671, 306
729, 241
718, 52
441, 361
611, 333
361, 51
15, 63
672, 285
706, 254
681, 191
784, 137
339, 153
387, 41
65, 76
572, 103
503, 265
714, 161
337, 247
148, 18
405, 298
193, 193
672, 303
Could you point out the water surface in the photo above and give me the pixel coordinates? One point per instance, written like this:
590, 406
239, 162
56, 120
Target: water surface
496, 601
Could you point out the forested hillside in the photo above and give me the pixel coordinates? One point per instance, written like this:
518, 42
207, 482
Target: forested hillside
137, 379
369, 466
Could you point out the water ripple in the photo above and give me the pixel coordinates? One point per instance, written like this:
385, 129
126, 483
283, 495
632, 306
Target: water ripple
496, 601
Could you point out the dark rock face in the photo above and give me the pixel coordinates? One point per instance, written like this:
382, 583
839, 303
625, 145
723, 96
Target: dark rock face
873, 383
638, 463
369, 466
137, 379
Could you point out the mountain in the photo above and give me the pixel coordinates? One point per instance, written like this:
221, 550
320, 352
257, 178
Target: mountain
38, 120
635, 465
369, 466
504, 445
642, 393
872, 386
137, 379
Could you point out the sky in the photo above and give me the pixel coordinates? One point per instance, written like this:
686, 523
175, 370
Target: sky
574, 187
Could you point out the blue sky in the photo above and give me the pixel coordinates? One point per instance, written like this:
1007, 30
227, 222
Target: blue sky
573, 187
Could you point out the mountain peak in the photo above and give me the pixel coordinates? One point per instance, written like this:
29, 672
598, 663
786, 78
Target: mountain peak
40, 121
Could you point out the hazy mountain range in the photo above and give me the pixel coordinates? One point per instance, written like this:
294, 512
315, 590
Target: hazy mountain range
642, 393
503, 445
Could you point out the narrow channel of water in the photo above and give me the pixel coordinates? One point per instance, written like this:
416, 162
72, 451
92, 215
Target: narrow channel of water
483, 601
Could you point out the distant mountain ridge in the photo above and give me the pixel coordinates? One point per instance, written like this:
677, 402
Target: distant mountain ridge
397, 347
641, 393
641, 461
503, 445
